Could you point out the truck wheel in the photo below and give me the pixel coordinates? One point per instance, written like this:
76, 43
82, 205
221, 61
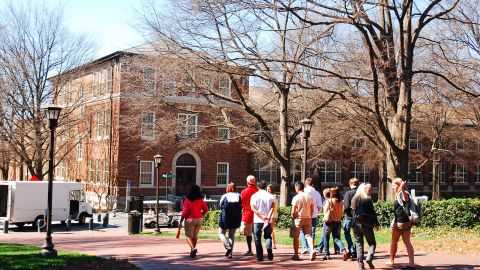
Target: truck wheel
175, 224
82, 218
35, 222
151, 224
20, 224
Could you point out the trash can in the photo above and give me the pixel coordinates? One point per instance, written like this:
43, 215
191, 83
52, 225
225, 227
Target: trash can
134, 219
136, 204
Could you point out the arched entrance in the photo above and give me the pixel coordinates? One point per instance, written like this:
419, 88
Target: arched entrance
185, 173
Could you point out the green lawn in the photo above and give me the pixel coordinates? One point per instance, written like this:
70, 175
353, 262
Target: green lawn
13, 256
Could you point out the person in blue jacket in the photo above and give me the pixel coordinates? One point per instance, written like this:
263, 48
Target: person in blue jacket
230, 218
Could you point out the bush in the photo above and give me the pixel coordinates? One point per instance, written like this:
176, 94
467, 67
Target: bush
463, 213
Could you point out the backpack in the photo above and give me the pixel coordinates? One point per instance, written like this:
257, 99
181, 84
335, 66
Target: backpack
413, 209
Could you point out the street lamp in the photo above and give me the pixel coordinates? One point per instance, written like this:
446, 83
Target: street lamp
158, 163
306, 124
51, 113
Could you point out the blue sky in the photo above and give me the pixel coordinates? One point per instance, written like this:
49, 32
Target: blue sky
109, 22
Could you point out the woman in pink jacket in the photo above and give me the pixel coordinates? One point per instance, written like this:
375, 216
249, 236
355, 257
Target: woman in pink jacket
194, 208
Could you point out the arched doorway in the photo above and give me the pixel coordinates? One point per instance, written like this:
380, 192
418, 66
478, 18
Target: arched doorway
186, 173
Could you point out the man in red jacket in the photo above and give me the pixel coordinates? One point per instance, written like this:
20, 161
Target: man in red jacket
247, 215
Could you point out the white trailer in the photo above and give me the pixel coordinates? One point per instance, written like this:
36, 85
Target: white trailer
23, 202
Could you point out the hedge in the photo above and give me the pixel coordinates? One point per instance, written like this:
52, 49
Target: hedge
463, 213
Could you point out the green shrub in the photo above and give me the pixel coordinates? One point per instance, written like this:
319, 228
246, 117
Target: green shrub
463, 213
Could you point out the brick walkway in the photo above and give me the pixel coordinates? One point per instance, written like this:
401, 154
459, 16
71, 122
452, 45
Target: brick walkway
168, 253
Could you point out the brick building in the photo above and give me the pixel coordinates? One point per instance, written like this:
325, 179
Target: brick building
116, 142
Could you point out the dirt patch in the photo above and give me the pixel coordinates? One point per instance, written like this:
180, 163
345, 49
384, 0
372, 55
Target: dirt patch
444, 246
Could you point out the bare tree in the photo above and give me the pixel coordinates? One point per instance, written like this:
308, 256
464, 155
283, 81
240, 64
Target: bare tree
35, 45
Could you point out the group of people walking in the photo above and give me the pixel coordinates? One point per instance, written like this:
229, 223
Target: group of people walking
254, 211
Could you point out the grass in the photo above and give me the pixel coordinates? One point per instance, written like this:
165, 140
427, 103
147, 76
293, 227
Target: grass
13, 256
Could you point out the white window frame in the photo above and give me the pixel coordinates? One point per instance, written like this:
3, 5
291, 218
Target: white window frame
80, 150
146, 173
188, 130
266, 168
81, 107
207, 83
150, 84
188, 87
358, 142
108, 85
101, 81
443, 175
223, 174
224, 134
91, 170
417, 174
459, 145
98, 170
459, 173
169, 84
324, 171
106, 171
106, 124
360, 171
99, 125
415, 142
147, 125
224, 90
296, 170
94, 84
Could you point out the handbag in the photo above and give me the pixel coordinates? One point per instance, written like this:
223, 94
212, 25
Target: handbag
328, 215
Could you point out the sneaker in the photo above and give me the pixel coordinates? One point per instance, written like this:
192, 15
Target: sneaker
313, 255
259, 259
229, 255
193, 253
270, 254
295, 258
248, 253
305, 251
389, 263
370, 264
326, 257
229, 251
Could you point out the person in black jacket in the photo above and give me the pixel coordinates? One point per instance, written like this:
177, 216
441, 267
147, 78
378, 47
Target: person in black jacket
364, 220
230, 218
348, 221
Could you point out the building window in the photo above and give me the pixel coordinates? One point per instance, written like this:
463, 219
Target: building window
188, 126
223, 133
108, 88
442, 172
207, 83
222, 173
266, 171
414, 175
150, 79
259, 137
441, 143
169, 85
101, 81
477, 174
91, 170
360, 171
106, 171
80, 150
99, 125
188, 87
81, 109
62, 170
106, 124
357, 142
330, 171
296, 170
224, 85
148, 126
146, 173
94, 84
460, 174
414, 142
459, 145
98, 170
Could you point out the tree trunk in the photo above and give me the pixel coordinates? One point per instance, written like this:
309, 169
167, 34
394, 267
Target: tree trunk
435, 178
381, 181
285, 185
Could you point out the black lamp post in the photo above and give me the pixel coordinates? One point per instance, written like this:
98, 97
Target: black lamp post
306, 127
51, 113
139, 158
158, 163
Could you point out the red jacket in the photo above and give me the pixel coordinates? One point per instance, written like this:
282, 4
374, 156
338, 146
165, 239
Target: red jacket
194, 209
247, 215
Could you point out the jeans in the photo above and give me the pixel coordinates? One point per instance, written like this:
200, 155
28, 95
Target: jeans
359, 232
302, 235
320, 245
227, 243
335, 228
257, 234
347, 224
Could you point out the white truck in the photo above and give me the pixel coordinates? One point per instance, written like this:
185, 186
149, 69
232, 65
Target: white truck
23, 202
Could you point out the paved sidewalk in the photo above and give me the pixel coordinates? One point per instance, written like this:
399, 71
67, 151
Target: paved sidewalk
151, 252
